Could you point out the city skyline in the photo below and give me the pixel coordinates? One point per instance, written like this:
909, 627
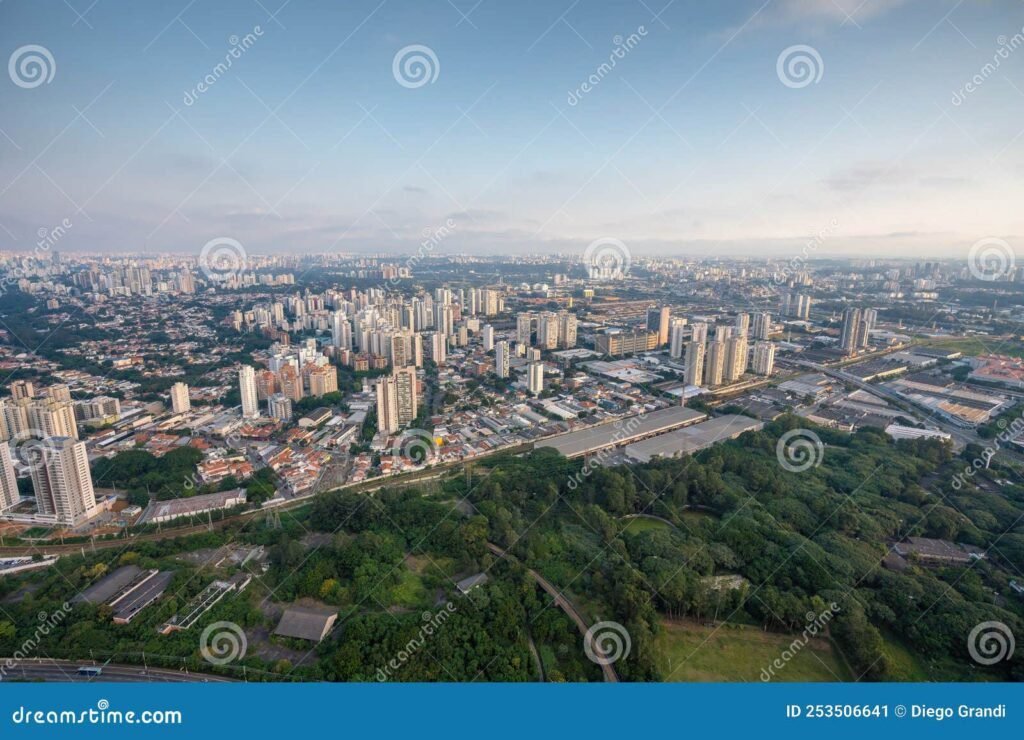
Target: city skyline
535, 130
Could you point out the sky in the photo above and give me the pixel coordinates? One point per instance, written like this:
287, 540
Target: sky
676, 127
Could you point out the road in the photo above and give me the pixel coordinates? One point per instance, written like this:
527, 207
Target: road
66, 671
610, 676
962, 435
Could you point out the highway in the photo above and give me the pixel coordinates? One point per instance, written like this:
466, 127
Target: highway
66, 671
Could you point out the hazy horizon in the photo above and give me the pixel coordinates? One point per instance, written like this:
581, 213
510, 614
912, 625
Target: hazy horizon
882, 128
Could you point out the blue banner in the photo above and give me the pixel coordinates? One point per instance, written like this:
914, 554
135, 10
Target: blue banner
508, 711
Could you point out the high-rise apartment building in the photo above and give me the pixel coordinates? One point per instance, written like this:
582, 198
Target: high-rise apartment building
658, 321
676, 338
695, 363
280, 407
762, 325
714, 364
9, 496
535, 378
247, 391
736, 358
566, 330
62, 481
764, 358
180, 402
501, 359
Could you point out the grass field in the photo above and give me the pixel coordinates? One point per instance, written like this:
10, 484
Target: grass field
972, 346
903, 665
409, 591
688, 651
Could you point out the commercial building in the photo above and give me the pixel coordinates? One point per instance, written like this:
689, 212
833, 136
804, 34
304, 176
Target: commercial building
622, 432
626, 343
693, 438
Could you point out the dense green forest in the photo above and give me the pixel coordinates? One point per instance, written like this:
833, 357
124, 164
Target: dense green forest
800, 541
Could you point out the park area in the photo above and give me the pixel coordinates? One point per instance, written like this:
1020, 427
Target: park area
690, 651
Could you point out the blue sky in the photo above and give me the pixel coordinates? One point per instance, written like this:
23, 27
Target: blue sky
690, 145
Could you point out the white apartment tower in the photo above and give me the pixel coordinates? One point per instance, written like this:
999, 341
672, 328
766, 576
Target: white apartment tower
9, 496
62, 481
764, 358
180, 403
501, 359
536, 378
694, 363
247, 390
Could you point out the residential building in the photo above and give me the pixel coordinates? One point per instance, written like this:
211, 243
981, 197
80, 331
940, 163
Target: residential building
180, 402
247, 391
62, 481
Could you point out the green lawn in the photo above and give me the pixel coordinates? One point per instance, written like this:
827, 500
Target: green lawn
409, 592
972, 346
903, 665
688, 651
